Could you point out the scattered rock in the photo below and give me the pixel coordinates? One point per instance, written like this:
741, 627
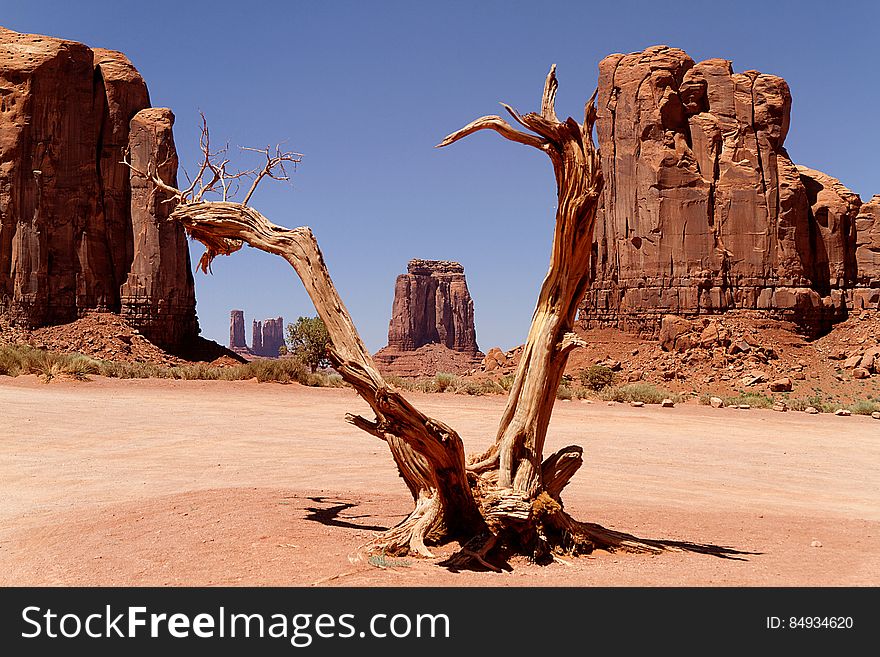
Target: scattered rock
852, 361
842, 412
740, 347
754, 377
781, 385
812, 410
674, 332
667, 403
744, 407
860, 373
876, 415
780, 407
716, 402
637, 404
816, 544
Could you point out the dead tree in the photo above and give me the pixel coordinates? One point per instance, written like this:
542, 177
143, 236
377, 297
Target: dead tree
508, 498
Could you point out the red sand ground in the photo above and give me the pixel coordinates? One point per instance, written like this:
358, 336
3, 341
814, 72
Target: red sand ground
157, 482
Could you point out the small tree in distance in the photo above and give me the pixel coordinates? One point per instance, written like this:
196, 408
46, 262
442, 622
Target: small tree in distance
308, 339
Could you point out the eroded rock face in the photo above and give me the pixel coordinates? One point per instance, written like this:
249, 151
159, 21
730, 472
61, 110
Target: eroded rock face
867, 256
158, 294
268, 337
237, 338
432, 305
703, 210
73, 236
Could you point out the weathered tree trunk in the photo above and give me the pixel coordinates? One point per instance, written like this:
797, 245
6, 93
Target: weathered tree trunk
509, 496
428, 453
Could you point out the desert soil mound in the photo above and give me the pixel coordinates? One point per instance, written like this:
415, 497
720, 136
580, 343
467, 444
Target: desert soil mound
168, 482
108, 336
427, 360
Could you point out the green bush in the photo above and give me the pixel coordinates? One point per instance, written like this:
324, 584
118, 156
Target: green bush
564, 392
309, 340
597, 377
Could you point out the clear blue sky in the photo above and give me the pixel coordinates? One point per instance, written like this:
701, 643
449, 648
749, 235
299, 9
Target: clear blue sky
365, 90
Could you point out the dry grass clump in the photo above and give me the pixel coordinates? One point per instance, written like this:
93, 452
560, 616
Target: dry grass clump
639, 392
16, 360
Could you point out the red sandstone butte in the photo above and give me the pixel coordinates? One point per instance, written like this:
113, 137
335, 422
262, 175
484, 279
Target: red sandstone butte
77, 233
432, 306
703, 210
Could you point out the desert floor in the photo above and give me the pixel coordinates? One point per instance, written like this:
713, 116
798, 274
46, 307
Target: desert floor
154, 482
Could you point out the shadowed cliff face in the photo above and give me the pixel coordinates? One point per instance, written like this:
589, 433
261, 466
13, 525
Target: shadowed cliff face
703, 210
432, 305
77, 232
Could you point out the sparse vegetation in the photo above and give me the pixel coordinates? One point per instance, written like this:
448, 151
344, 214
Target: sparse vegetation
21, 359
444, 381
753, 399
863, 407
597, 377
564, 392
639, 392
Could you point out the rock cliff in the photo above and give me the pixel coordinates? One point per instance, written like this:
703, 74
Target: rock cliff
703, 210
76, 232
432, 306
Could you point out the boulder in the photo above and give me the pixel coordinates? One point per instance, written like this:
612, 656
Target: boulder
716, 402
811, 410
781, 385
860, 373
673, 333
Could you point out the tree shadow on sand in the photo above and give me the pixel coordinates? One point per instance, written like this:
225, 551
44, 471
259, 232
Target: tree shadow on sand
330, 515
498, 560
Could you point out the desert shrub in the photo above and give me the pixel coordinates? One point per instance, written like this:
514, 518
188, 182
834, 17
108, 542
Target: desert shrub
564, 392
282, 370
642, 392
324, 380
753, 399
444, 381
79, 366
863, 407
815, 401
597, 377
24, 359
506, 382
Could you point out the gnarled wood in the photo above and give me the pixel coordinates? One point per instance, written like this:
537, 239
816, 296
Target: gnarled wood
429, 454
520, 439
510, 496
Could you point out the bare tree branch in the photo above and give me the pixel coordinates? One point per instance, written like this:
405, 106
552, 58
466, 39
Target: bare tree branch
497, 124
